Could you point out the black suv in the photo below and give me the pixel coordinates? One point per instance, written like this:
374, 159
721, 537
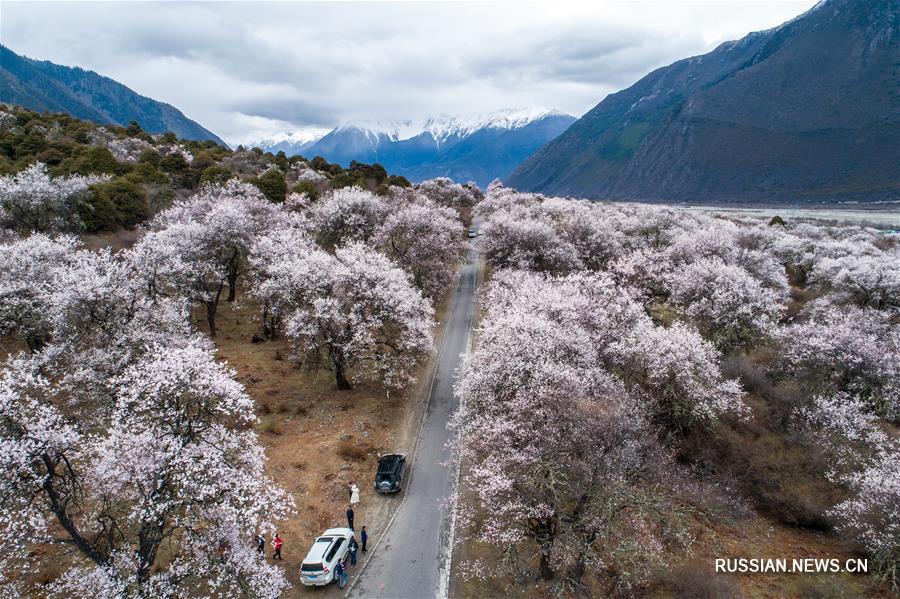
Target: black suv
389, 478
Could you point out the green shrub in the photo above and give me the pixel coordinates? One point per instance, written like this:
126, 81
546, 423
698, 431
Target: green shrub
150, 156
309, 188
32, 144
323, 166
125, 198
886, 567
398, 181
147, 173
272, 184
215, 174
364, 172
98, 213
51, 157
7, 167
91, 160
173, 163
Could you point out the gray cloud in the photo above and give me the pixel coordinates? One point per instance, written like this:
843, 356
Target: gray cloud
240, 68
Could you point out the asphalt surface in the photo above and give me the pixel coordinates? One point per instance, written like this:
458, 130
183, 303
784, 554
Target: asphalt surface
412, 559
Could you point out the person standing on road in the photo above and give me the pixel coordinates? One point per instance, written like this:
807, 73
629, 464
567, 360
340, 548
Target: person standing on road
353, 546
339, 575
364, 536
277, 542
354, 495
350, 517
261, 544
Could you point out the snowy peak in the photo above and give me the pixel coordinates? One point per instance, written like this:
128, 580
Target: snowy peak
267, 141
393, 130
445, 126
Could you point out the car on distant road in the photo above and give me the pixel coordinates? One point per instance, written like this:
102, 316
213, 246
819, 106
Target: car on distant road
472, 233
389, 476
332, 546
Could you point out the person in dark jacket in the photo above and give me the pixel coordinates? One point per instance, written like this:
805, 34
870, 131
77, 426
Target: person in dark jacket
364, 536
261, 544
350, 517
353, 547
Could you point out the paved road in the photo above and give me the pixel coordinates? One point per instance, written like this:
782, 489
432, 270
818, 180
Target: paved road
414, 552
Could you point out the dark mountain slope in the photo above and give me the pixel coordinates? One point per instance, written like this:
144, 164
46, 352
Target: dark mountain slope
47, 87
808, 111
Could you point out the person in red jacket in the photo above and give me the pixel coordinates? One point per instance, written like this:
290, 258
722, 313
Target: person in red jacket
277, 542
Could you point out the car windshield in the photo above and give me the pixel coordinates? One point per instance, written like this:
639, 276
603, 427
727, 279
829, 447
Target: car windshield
334, 550
311, 567
386, 465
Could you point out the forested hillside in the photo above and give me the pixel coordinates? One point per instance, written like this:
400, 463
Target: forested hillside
47, 87
106, 178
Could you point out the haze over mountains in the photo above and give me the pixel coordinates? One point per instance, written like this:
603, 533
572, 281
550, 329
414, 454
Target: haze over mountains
479, 148
47, 87
806, 112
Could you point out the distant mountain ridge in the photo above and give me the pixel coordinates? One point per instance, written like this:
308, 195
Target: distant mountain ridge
479, 148
806, 112
47, 87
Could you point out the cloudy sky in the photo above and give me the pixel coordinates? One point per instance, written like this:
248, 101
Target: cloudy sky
247, 69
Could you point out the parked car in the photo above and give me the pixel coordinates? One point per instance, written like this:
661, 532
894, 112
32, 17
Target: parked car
472, 233
332, 546
389, 477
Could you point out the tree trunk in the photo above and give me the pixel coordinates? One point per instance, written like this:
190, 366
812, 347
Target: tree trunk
211, 317
341, 378
149, 538
340, 370
232, 275
546, 569
545, 536
269, 324
232, 286
58, 505
577, 570
211, 306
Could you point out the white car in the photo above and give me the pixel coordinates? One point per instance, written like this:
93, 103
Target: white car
332, 546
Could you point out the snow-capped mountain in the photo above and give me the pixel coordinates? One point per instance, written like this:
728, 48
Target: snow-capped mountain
290, 143
479, 148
